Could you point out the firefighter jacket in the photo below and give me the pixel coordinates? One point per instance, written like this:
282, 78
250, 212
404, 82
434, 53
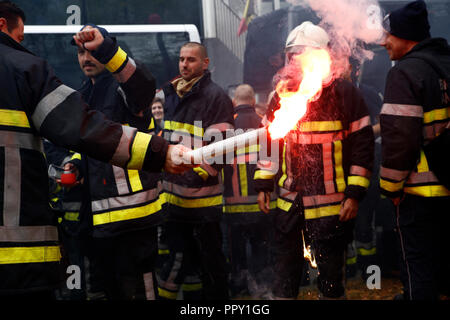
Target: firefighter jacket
327, 158
240, 197
195, 119
34, 104
121, 200
415, 111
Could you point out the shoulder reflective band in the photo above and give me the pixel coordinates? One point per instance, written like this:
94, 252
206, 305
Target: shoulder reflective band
321, 212
428, 191
436, 115
117, 61
186, 127
403, 110
358, 181
138, 150
283, 204
128, 214
194, 203
321, 126
263, 174
29, 255
49, 103
14, 118
359, 124
152, 124
391, 186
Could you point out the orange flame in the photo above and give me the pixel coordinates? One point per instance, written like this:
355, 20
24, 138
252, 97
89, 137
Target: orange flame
307, 254
315, 64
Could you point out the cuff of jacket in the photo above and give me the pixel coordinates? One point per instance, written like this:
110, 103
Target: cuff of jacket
155, 157
355, 192
111, 55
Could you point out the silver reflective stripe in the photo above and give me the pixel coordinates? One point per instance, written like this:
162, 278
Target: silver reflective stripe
21, 140
122, 154
28, 234
126, 72
149, 286
241, 200
121, 181
286, 194
71, 206
404, 110
49, 103
119, 202
12, 188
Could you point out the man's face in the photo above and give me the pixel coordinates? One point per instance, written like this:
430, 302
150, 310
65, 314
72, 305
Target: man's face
88, 64
395, 47
192, 64
157, 111
17, 34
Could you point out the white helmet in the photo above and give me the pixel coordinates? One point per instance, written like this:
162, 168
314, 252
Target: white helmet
307, 34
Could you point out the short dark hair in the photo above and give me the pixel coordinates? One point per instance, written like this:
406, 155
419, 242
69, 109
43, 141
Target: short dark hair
11, 12
158, 99
202, 48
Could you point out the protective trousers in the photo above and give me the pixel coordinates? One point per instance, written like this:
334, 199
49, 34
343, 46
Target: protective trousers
423, 230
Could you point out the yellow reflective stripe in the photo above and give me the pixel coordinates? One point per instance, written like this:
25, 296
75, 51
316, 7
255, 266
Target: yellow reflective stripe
350, 261
167, 294
152, 125
243, 179
165, 251
283, 204
202, 173
367, 252
194, 203
340, 181
283, 168
117, 60
14, 118
135, 180
76, 156
423, 164
246, 207
29, 254
428, 191
72, 216
391, 186
138, 150
321, 126
263, 174
436, 115
174, 126
249, 149
359, 181
191, 286
128, 214
321, 212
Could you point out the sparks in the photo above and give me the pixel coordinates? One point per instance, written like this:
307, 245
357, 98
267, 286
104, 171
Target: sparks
307, 254
315, 65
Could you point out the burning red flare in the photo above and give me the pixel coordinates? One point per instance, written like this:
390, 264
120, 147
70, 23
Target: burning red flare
315, 65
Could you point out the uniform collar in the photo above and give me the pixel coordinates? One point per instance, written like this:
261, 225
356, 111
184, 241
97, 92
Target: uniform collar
243, 107
10, 42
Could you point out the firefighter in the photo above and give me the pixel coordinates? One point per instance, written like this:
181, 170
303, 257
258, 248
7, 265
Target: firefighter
196, 110
415, 115
325, 167
35, 104
248, 229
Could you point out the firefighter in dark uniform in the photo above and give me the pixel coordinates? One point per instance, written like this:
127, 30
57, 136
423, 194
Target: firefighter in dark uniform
325, 169
244, 221
34, 104
196, 110
415, 115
